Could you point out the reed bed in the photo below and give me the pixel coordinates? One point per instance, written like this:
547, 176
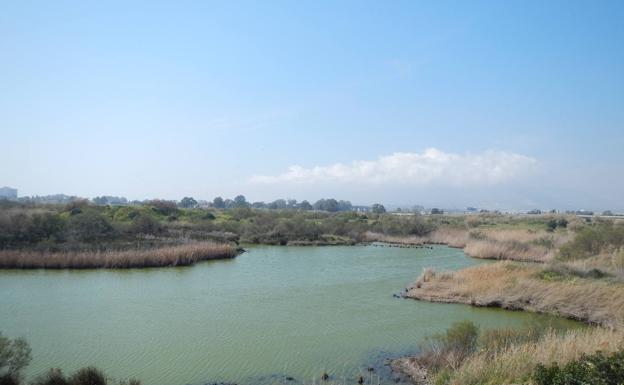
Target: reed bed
519, 286
449, 236
611, 263
178, 255
515, 251
503, 244
445, 236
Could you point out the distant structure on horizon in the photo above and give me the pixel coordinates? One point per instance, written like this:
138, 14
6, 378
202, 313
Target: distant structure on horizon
8, 193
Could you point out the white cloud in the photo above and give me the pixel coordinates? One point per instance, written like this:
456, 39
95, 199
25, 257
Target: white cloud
431, 167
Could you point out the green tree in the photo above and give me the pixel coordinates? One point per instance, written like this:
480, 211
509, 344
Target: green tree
305, 205
188, 203
378, 208
330, 205
240, 201
218, 203
278, 204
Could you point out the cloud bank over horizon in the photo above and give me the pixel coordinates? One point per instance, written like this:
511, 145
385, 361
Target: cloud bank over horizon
430, 167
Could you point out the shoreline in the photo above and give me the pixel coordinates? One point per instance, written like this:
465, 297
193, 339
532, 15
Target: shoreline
517, 287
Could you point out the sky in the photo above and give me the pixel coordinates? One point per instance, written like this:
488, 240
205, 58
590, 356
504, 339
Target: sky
495, 104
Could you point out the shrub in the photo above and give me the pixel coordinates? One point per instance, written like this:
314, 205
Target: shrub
145, 224
88, 376
14, 356
595, 369
593, 240
461, 337
451, 348
163, 207
90, 226
84, 376
76, 206
52, 377
557, 272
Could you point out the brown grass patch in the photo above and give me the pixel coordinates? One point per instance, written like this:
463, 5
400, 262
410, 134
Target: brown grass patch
503, 244
445, 236
515, 244
179, 255
516, 362
518, 286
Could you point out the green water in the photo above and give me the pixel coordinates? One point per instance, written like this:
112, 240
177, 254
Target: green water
271, 312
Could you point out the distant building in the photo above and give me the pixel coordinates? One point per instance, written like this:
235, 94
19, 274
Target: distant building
8, 193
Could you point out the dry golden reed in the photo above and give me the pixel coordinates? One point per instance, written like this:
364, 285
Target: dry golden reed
179, 255
519, 286
516, 362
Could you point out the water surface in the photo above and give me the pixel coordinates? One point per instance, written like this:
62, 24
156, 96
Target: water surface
271, 312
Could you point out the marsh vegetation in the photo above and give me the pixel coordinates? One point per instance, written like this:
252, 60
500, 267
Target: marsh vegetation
561, 265
575, 271
123, 236
15, 356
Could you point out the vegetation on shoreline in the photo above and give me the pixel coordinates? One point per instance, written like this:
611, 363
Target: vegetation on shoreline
575, 273
179, 255
586, 287
15, 355
80, 222
68, 235
466, 355
566, 266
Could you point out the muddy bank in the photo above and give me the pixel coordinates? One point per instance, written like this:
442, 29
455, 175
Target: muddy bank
409, 367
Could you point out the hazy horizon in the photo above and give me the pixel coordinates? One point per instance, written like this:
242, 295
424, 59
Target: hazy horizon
511, 106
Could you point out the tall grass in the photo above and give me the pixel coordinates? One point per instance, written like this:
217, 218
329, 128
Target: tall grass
515, 244
504, 244
179, 255
516, 362
521, 286
444, 236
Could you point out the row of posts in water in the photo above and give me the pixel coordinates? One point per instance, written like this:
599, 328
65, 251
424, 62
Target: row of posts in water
402, 245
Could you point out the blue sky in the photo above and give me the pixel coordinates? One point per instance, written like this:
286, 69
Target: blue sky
167, 99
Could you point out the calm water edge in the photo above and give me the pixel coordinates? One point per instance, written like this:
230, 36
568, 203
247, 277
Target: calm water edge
270, 313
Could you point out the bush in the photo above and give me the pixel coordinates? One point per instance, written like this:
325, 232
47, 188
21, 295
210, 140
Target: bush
76, 206
145, 224
451, 348
593, 240
21, 228
88, 376
163, 207
52, 377
90, 226
558, 272
84, 376
14, 356
595, 369
461, 337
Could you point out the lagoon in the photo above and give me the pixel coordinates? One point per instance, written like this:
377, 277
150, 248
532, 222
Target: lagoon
273, 312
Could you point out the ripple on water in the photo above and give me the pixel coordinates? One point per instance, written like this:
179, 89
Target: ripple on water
272, 313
